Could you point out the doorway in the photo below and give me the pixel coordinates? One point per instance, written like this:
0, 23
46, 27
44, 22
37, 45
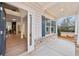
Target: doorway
16, 34
16, 30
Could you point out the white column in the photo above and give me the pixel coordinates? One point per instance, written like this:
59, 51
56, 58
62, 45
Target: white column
77, 29
21, 28
23, 13
56, 29
76, 26
17, 26
50, 26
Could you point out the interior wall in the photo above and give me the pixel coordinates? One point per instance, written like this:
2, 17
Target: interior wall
25, 26
9, 20
18, 27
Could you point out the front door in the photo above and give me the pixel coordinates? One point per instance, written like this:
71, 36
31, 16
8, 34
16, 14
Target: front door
2, 30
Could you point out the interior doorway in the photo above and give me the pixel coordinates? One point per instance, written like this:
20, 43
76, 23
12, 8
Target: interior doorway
16, 30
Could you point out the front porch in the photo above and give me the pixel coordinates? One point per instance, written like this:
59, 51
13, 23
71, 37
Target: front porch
52, 46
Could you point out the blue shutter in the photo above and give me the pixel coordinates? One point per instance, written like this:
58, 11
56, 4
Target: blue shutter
43, 26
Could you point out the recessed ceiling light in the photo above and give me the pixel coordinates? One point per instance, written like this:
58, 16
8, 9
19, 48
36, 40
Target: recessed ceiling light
13, 19
62, 9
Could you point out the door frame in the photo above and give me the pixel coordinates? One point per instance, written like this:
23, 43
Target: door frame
4, 42
31, 44
30, 48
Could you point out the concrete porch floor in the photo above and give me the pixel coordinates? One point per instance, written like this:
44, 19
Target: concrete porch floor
54, 47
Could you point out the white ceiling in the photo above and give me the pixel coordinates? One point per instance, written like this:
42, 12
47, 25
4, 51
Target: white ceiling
64, 9
45, 5
57, 9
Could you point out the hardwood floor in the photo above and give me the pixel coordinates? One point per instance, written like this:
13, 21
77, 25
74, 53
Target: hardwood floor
15, 45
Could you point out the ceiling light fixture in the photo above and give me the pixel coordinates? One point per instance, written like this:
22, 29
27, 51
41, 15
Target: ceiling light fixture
13, 19
62, 9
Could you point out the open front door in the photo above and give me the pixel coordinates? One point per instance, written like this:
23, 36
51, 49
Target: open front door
30, 33
2, 30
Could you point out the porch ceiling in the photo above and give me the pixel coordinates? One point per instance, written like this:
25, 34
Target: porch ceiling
56, 9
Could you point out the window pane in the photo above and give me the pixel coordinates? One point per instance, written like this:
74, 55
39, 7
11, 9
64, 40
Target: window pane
47, 30
53, 23
47, 22
52, 29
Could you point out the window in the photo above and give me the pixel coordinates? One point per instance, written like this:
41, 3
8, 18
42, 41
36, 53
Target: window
53, 27
47, 26
53, 23
47, 22
47, 30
